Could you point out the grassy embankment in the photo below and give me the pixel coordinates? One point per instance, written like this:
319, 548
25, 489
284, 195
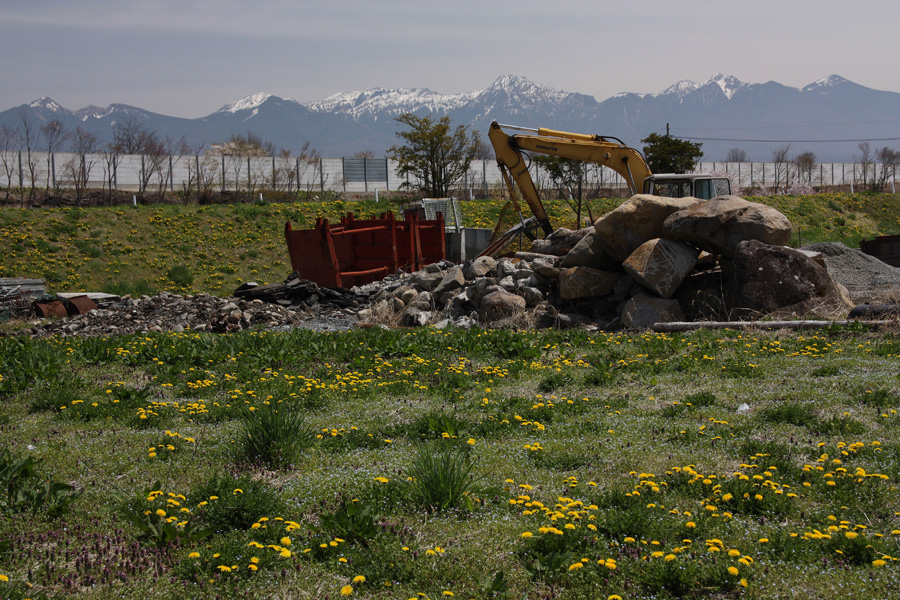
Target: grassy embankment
215, 248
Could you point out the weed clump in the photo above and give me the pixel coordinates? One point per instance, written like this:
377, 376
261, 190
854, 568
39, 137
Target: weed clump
274, 435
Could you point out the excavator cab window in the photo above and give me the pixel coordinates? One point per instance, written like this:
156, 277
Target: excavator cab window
723, 187
672, 189
702, 189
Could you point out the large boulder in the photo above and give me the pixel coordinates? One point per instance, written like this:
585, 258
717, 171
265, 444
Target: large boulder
500, 305
453, 280
642, 311
559, 242
720, 224
481, 266
585, 282
661, 265
638, 219
778, 280
589, 252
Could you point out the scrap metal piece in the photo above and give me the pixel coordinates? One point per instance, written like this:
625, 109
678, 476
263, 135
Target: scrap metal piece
50, 308
78, 305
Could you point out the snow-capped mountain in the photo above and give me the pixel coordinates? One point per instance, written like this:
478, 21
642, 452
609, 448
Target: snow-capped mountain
721, 112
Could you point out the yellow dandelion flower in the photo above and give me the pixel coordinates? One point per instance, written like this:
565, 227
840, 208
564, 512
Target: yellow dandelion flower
346, 590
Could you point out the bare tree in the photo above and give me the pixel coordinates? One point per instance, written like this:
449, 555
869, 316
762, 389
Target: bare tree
805, 164
173, 151
153, 158
364, 154
191, 186
865, 162
133, 137
111, 159
239, 149
55, 135
781, 160
308, 160
889, 160
485, 151
28, 137
9, 142
298, 166
77, 169
736, 155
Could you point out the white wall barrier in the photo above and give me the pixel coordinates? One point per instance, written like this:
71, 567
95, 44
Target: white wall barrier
139, 173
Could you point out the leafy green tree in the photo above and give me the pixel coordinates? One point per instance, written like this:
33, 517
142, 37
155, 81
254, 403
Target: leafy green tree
436, 155
667, 154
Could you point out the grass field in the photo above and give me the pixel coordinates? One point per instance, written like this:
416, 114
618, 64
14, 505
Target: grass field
215, 248
429, 464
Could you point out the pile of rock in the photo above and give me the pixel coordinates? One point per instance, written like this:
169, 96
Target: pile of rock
650, 260
171, 312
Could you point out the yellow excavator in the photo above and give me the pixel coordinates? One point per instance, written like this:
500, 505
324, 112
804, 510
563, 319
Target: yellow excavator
607, 151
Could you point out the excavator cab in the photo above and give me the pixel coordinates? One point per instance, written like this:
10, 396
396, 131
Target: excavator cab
698, 185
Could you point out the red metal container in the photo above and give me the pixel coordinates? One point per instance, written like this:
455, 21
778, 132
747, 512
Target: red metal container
360, 251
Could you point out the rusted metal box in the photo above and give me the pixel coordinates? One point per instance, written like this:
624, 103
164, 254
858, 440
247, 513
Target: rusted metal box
360, 251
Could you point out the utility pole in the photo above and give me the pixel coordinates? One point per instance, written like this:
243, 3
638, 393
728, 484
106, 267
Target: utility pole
667, 130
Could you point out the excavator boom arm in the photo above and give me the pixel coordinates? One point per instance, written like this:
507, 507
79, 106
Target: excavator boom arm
608, 152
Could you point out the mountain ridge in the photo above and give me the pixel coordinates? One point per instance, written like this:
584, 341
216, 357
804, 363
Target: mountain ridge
720, 112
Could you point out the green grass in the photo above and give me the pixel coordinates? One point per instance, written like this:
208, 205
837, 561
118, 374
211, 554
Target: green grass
538, 478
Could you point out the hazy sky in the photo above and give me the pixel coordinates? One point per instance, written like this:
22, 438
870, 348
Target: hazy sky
187, 58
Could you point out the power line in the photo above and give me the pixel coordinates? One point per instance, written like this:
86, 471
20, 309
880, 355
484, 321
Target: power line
817, 126
705, 139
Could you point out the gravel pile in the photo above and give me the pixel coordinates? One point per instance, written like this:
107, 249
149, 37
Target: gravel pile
864, 276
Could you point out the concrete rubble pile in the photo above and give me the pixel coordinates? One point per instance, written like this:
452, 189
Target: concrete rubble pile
293, 304
650, 260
